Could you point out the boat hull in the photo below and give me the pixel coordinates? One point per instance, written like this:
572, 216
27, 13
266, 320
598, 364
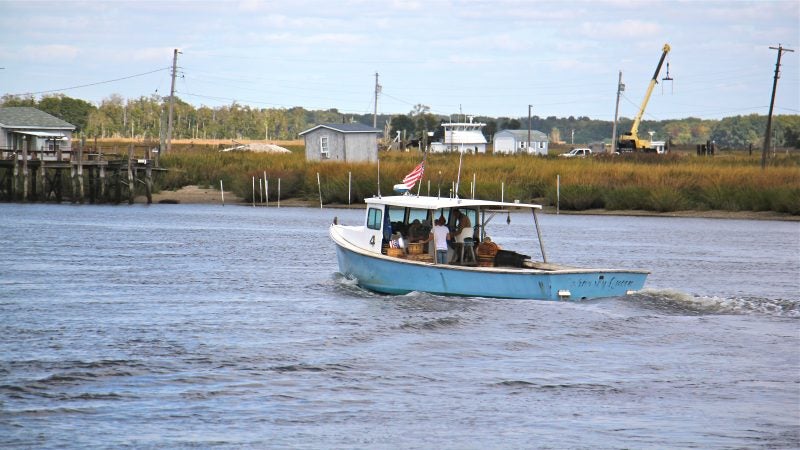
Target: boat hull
398, 276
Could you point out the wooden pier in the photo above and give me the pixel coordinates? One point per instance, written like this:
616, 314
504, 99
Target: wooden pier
78, 175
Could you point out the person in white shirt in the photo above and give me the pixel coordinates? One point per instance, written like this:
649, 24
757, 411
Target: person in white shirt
439, 235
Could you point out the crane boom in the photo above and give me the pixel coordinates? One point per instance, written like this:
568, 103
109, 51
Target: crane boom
631, 141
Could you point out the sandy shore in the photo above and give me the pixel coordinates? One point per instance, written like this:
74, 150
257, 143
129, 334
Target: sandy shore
192, 195
198, 195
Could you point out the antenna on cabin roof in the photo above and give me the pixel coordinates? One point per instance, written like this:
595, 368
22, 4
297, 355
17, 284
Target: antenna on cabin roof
667, 78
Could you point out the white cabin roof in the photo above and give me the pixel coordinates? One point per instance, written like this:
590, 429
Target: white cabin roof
464, 137
434, 203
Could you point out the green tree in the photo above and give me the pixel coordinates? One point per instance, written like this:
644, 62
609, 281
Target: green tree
9, 100
739, 131
403, 124
74, 111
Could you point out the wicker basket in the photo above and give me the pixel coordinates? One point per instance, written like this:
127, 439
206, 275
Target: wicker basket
487, 248
396, 252
415, 248
486, 261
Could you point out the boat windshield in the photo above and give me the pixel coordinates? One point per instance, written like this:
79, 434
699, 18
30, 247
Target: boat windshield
374, 220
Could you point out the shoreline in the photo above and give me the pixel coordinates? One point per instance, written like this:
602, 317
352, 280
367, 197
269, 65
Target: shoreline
197, 195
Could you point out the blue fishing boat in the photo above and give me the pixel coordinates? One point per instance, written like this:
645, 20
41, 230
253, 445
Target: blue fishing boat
393, 252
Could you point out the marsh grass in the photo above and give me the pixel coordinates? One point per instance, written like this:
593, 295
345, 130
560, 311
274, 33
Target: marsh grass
647, 182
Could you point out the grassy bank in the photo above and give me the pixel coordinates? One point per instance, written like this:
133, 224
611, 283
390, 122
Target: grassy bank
645, 182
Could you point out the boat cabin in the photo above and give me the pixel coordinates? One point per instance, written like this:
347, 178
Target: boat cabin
400, 226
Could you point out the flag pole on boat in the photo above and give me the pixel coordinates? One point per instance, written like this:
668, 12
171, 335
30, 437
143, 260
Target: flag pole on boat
458, 178
424, 160
379, 174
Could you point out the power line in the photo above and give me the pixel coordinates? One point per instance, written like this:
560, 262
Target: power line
94, 84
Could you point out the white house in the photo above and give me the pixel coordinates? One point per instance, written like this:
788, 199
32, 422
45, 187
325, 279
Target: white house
458, 135
34, 129
516, 141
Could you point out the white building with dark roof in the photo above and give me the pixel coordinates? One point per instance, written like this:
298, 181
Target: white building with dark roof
33, 129
511, 142
347, 142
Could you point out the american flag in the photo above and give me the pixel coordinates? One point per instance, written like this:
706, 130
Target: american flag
411, 179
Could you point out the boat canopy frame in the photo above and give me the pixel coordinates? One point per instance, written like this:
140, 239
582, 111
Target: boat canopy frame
482, 207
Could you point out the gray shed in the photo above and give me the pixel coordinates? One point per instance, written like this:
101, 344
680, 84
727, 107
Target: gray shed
347, 142
20, 125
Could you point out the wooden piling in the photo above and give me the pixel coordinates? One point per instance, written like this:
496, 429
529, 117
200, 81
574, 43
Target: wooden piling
25, 149
92, 184
40, 180
56, 184
81, 192
148, 183
15, 176
118, 186
73, 175
102, 183
131, 180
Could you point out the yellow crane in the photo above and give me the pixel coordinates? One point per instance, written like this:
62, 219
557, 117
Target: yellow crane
629, 142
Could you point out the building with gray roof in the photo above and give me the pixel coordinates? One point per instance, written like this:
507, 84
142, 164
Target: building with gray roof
23, 125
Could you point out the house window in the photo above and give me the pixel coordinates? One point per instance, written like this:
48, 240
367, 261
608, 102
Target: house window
323, 147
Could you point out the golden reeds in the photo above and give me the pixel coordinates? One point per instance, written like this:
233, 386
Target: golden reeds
647, 182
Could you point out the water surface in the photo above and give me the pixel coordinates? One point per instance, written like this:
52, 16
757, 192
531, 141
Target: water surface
200, 325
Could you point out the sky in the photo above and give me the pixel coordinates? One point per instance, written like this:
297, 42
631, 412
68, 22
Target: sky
485, 58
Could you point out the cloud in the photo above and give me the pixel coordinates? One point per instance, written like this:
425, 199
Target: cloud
309, 39
251, 5
406, 5
621, 29
51, 52
468, 61
155, 54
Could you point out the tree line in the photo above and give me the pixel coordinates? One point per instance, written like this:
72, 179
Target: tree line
145, 118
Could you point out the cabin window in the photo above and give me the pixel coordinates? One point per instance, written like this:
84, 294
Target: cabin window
374, 217
397, 214
419, 214
323, 147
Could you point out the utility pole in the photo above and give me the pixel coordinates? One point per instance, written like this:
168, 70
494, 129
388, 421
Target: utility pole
528, 145
620, 88
768, 132
171, 100
375, 112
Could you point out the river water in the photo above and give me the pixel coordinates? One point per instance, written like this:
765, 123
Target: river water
205, 326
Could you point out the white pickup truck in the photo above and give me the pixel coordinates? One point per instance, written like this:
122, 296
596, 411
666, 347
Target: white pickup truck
577, 153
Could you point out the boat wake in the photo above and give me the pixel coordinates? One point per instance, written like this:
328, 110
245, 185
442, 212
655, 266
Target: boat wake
670, 301
349, 286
